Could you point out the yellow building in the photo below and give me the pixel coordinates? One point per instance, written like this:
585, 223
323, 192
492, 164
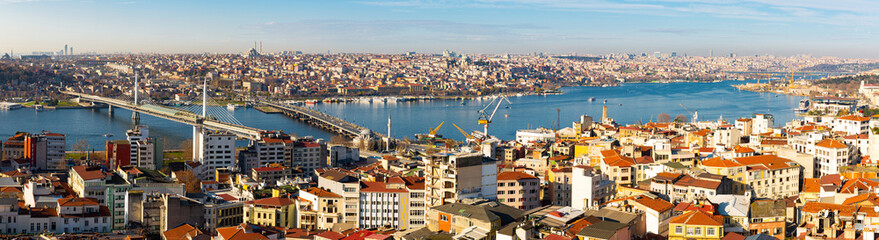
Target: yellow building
275, 212
696, 225
725, 167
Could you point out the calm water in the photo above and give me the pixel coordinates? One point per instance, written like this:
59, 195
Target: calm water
639, 102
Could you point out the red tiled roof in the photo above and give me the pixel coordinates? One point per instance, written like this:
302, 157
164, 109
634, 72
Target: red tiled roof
514, 176
830, 143
322, 193
76, 201
698, 218
89, 173
720, 162
183, 232
274, 201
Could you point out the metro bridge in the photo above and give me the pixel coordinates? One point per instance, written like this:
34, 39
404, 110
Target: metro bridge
173, 114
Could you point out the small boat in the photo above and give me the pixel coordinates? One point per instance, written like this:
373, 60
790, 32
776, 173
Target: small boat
506, 115
592, 99
605, 100
231, 107
621, 104
108, 135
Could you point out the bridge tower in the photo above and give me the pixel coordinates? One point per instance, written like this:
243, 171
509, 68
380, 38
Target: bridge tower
198, 134
135, 116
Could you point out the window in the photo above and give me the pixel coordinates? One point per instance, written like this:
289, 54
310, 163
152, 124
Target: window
690, 230
710, 231
444, 218
679, 229
698, 231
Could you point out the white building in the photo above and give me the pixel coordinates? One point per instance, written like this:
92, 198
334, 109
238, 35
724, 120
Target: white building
526, 136
830, 155
214, 150
455, 176
68, 215
341, 155
397, 204
589, 187
851, 124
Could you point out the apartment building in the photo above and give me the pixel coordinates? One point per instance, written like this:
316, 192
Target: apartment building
450, 177
519, 190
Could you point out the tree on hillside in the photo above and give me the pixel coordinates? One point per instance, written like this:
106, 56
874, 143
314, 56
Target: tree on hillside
663, 118
681, 118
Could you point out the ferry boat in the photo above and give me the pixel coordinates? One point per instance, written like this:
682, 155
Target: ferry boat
803, 107
310, 102
231, 107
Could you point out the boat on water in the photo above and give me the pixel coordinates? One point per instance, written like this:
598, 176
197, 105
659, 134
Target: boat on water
108, 135
605, 100
621, 104
311, 102
592, 99
38, 107
231, 107
506, 115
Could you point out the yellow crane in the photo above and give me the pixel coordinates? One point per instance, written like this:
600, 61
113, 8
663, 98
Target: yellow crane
433, 131
467, 135
485, 118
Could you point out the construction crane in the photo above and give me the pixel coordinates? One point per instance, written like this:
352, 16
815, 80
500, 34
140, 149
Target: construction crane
467, 135
432, 132
485, 119
695, 113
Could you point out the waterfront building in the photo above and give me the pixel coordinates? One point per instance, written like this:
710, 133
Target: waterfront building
450, 177
44, 150
118, 154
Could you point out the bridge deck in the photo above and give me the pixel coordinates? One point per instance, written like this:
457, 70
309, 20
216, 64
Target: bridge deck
174, 115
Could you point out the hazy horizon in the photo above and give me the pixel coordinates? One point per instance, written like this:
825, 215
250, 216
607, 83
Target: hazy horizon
694, 28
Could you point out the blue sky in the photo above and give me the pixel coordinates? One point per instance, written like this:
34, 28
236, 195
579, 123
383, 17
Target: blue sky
845, 28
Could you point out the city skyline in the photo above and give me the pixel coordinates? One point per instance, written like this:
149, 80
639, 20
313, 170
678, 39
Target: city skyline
840, 28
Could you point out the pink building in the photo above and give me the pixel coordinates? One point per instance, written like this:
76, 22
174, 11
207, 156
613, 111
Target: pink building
519, 190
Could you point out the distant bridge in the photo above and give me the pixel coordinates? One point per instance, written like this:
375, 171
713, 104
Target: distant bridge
173, 114
322, 120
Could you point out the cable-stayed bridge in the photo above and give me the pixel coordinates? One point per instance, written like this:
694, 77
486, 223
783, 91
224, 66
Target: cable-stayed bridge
200, 115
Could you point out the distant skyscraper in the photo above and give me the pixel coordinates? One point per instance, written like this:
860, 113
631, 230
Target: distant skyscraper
65, 49
732, 55
674, 54
710, 53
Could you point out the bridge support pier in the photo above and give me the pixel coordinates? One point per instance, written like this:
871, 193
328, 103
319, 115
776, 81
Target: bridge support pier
135, 118
110, 109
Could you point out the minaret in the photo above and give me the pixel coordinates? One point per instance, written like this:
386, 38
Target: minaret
604, 114
389, 124
695, 116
